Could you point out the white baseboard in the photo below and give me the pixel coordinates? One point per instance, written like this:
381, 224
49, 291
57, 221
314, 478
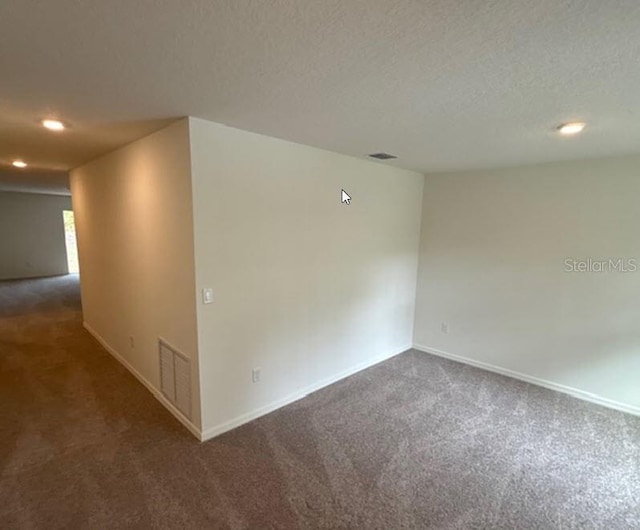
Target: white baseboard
212, 432
156, 393
580, 394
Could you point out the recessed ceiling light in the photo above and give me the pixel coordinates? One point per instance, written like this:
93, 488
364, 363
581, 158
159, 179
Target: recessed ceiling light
53, 125
573, 127
19, 163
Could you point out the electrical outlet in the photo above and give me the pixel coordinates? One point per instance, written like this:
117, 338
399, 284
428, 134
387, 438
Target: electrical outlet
255, 375
444, 327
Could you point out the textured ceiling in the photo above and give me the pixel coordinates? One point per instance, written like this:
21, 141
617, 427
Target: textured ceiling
443, 85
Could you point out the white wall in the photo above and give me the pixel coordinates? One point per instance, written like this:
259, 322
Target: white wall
135, 239
306, 288
32, 235
492, 266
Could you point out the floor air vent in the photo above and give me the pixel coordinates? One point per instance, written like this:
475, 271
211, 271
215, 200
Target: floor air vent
175, 378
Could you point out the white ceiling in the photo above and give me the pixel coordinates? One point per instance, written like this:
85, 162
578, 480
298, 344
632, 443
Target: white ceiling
443, 84
53, 182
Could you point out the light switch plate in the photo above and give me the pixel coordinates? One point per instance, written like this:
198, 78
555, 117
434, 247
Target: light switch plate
207, 295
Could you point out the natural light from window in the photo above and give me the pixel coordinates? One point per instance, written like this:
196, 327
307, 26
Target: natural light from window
70, 242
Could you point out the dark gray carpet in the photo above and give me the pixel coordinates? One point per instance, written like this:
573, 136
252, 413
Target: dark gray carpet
416, 442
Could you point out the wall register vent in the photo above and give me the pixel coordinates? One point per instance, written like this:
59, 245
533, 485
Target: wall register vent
175, 378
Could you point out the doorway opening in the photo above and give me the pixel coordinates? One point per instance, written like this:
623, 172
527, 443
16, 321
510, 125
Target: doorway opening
70, 241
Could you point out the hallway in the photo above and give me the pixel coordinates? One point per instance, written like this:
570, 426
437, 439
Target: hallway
79, 435
84, 445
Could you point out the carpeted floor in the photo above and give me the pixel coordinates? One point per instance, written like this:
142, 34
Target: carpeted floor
415, 442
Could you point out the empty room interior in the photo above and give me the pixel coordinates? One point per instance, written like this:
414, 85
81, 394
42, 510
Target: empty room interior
369, 264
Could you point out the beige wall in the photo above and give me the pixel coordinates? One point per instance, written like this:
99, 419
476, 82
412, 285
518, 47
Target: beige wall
305, 288
492, 266
309, 290
32, 235
135, 239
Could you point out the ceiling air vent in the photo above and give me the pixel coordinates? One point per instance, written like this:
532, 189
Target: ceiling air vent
382, 156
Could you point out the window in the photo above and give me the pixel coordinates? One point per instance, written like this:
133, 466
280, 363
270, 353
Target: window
70, 241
